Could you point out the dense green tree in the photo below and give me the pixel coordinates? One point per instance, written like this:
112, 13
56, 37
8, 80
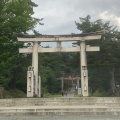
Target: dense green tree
15, 16
51, 67
108, 59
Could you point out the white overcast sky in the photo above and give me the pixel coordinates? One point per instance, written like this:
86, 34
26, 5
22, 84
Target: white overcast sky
60, 15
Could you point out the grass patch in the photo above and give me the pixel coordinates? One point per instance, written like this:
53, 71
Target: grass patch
46, 95
14, 94
99, 94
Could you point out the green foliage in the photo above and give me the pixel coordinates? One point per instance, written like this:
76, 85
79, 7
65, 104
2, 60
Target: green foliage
15, 16
103, 64
98, 93
14, 94
50, 67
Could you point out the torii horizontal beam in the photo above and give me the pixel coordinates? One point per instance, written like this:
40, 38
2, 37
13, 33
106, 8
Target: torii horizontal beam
69, 79
65, 49
59, 38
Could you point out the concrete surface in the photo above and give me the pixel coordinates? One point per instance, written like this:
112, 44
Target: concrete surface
63, 117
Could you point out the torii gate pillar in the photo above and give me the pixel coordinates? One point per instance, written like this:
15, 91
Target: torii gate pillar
84, 71
35, 65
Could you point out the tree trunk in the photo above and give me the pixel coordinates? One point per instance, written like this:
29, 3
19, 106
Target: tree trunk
112, 80
13, 82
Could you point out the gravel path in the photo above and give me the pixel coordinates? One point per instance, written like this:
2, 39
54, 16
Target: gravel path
64, 117
71, 92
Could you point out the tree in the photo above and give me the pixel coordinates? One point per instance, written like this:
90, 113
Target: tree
108, 58
15, 16
50, 67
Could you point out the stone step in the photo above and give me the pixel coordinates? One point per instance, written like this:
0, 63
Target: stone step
60, 101
59, 104
43, 106
62, 110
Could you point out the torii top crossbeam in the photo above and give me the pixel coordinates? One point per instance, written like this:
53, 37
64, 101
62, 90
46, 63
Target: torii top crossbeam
56, 38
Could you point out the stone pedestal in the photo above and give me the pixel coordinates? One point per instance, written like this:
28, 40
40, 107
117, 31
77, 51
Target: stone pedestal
30, 82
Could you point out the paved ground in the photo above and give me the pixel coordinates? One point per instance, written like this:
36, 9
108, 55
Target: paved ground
71, 92
62, 117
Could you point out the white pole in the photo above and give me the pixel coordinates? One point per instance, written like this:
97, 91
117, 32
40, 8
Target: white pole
78, 84
35, 64
84, 72
62, 84
39, 87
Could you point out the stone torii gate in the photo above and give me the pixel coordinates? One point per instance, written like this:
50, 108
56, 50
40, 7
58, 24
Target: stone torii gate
69, 77
35, 49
